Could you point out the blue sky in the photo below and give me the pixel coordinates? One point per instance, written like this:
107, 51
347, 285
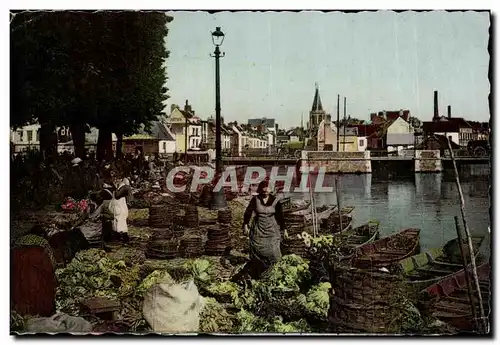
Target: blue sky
378, 60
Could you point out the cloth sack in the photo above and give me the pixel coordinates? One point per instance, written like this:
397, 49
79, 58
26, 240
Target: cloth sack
58, 323
173, 308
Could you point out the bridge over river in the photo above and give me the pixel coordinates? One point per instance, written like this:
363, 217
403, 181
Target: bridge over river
386, 166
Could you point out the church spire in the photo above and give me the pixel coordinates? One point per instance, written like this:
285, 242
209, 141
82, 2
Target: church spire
317, 106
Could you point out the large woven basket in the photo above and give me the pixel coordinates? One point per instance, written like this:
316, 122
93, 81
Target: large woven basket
365, 300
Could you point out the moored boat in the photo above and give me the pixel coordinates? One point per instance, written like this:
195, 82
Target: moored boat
425, 269
291, 207
335, 224
453, 304
363, 234
305, 216
388, 250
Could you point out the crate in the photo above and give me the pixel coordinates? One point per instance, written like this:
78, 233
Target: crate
102, 307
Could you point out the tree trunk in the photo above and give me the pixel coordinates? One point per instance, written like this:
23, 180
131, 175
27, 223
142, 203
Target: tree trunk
78, 136
48, 140
119, 145
104, 145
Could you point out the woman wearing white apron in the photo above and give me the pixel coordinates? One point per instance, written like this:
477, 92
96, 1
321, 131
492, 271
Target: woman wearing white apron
116, 190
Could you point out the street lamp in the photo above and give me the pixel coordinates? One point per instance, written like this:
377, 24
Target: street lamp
219, 197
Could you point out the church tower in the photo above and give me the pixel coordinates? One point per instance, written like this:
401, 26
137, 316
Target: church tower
317, 114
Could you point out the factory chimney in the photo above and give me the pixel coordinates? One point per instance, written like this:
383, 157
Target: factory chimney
449, 111
436, 108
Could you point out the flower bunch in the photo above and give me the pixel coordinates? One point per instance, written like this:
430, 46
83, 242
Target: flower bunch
75, 206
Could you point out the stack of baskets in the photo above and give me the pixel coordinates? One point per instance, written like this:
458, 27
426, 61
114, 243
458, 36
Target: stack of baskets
183, 198
206, 196
191, 246
365, 301
163, 215
178, 229
218, 240
224, 216
163, 245
191, 219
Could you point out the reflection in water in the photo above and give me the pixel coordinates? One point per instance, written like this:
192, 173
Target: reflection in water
428, 186
428, 203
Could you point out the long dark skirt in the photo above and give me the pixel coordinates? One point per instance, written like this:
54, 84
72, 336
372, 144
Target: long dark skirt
33, 282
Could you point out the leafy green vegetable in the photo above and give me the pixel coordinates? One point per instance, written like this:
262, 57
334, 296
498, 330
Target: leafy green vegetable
156, 277
92, 274
214, 318
318, 299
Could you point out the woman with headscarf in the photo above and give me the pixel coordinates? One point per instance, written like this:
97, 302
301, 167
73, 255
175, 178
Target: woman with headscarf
116, 188
33, 279
265, 231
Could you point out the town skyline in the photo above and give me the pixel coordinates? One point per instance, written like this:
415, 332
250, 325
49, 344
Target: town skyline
401, 73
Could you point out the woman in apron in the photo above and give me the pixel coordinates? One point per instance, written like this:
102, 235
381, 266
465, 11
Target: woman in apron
115, 192
265, 231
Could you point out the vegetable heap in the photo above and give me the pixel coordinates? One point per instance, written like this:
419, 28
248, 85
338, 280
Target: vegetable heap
90, 274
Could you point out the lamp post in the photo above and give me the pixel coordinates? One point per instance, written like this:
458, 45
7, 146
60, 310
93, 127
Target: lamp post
219, 197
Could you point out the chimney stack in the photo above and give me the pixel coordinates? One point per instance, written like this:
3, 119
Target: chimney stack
449, 111
436, 108
187, 107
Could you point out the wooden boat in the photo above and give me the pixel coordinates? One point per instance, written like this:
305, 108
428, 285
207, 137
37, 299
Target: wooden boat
425, 269
361, 235
331, 225
453, 304
322, 212
290, 207
388, 250
347, 209
305, 216
357, 237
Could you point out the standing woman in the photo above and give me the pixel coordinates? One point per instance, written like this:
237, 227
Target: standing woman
115, 210
265, 232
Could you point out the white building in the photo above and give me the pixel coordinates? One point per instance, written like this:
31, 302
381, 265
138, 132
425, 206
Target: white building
194, 132
400, 135
362, 144
268, 124
25, 138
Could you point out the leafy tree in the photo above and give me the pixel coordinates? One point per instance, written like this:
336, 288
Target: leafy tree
104, 69
38, 74
415, 122
349, 121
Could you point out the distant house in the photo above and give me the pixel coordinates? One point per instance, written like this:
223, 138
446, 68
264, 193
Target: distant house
400, 134
209, 140
239, 140
436, 142
27, 137
267, 124
460, 131
184, 123
158, 140
282, 139
294, 135
326, 136
348, 139
480, 129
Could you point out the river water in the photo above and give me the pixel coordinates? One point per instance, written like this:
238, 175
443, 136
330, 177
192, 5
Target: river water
427, 202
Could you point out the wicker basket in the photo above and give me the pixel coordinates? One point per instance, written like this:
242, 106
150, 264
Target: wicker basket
365, 301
